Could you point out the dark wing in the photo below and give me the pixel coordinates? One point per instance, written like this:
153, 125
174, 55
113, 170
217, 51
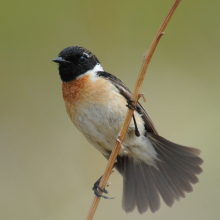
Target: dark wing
177, 167
124, 90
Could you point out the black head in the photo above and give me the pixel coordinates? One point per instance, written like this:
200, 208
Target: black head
75, 61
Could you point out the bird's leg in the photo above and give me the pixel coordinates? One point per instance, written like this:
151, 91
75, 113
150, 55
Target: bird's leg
96, 187
133, 107
137, 133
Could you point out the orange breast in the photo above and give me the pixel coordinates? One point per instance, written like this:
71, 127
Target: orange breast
72, 90
85, 92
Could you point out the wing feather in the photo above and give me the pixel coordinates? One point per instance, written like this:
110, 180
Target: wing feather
125, 91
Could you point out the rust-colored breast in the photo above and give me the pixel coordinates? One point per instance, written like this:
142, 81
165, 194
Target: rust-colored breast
72, 90
86, 89
85, 92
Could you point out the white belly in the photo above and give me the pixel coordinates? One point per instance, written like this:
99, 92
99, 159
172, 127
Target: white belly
99, 115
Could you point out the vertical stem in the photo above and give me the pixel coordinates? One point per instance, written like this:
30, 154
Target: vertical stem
135, 96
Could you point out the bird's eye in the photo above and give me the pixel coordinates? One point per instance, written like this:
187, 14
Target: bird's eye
82, 59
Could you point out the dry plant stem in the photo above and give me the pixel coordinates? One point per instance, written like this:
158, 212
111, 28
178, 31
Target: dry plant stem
135, 96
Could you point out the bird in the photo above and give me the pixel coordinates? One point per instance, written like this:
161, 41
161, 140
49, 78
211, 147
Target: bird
152, 167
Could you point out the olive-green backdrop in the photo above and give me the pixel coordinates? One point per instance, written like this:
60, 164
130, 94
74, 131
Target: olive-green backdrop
47, 168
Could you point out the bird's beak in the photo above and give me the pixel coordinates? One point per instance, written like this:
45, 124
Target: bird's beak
60, 60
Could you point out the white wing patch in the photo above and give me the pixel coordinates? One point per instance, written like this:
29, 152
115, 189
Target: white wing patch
93, 72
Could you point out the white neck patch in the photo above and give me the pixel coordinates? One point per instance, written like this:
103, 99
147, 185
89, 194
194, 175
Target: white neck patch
93, 72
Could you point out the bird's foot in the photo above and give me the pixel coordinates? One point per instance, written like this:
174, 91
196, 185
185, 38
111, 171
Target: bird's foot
133, 107
130, 105
96, 187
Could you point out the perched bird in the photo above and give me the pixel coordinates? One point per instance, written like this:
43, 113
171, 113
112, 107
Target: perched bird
151, 166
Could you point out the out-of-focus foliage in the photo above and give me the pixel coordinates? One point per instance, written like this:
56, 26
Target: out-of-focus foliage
47, 168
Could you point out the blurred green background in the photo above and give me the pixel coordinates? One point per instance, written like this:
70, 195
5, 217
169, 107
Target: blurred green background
47, 168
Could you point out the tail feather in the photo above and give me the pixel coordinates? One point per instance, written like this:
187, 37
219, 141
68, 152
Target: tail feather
182, 173
129, 185
142, 193
175, 171
178, 149
175, 191
163, 186
154, 198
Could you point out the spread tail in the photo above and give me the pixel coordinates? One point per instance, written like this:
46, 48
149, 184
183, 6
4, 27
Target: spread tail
176, 169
